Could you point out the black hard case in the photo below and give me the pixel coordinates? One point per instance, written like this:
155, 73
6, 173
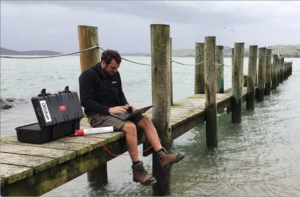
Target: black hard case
64, 120
54, 109
34, 134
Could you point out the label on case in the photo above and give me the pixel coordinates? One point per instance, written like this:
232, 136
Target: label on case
45, 110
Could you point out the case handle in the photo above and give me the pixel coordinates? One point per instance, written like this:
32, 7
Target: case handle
44, 94
70, 95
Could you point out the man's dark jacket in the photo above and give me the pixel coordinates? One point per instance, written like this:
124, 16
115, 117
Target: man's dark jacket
99, 92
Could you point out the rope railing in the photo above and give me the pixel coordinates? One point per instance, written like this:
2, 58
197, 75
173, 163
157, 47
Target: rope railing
187, 64
66, 54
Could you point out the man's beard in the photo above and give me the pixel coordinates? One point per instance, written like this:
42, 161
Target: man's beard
107, 73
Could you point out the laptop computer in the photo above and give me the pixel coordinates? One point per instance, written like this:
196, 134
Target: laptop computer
129, 114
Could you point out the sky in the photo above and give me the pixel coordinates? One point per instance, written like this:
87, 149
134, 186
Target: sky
125, 25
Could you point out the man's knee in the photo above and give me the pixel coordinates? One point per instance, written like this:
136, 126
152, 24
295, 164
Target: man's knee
145, 122
129, 128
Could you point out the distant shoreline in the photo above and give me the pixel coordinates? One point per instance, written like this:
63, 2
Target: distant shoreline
289, 51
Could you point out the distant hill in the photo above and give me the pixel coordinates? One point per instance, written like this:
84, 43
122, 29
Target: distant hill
191, 52
285, 50
5, 51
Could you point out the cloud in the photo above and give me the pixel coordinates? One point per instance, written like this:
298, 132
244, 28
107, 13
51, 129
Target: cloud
125, 25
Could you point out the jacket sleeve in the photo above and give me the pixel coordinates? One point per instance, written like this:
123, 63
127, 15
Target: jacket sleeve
86, 87
121, 94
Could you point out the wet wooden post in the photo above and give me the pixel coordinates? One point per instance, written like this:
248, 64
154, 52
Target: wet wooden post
274, 72
290, 68
220, 68
268, 72
199, 69
281, 69
278, 70
232, 60
88, 37
237, 83
287, 70
210, 92
282, 66
284, 71
160, 66
232, 56
252, 69
245, 78
261, 74
171, 71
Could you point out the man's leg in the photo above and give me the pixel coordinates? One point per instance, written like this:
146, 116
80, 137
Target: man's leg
131, 140
138, 171
150, 132
166, 160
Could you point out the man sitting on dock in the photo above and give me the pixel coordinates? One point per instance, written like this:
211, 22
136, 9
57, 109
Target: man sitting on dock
101, 94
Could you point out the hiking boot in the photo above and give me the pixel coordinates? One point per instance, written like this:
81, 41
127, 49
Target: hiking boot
141, 175
167, 160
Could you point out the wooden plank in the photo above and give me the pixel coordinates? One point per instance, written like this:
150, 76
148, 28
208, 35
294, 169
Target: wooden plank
100, 139
60, 155
14, 173
38, 164
50, 179
61, 145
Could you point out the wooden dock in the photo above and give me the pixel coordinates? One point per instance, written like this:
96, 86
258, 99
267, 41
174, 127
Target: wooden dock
33, 169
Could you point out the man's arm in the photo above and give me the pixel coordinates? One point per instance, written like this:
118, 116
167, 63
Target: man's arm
86, 87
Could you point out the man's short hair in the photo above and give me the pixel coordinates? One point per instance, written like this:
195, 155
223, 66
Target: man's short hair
110, 55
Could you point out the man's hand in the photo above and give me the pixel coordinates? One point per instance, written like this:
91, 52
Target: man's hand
131, 107
118, 109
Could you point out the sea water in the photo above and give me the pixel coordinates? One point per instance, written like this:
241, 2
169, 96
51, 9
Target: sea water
259, 157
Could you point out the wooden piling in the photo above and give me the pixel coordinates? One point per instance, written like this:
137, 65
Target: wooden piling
291, 68
252, 70
88, 37
284, 71
274, 72
160, 66
278, 70
220, 68
232, 56
281, 69
287, 70
171, 71
210, 92
237, 82
268, 72
282, 66
245, 80
261, 74
199, 69
232, 60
